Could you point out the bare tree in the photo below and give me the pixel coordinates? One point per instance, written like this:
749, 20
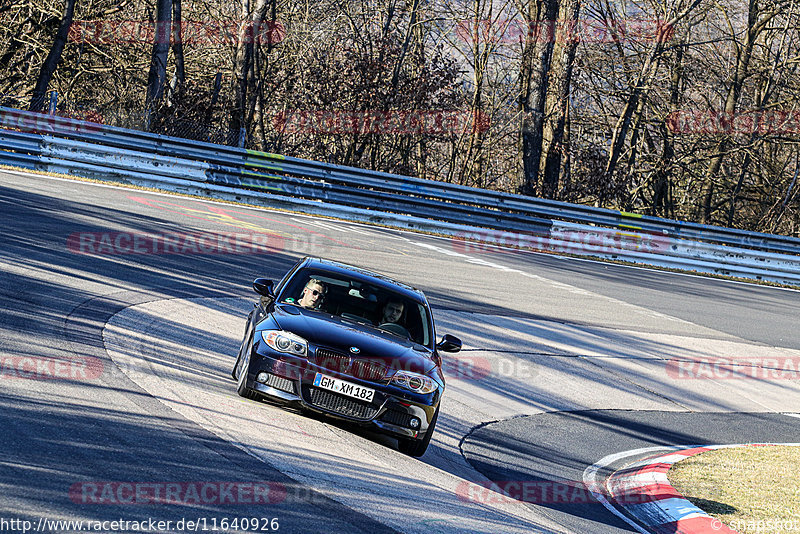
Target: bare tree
51, 62
177, 45
244, 64
643, 84
554, 135
758, 17
157, 78
537, 52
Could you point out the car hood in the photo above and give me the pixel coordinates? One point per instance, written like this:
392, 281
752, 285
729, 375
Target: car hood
324, 330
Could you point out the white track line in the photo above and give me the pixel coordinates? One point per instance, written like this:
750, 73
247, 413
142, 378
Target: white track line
320, 225
358, 231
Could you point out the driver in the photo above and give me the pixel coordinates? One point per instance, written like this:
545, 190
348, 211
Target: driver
392, 312
313, 294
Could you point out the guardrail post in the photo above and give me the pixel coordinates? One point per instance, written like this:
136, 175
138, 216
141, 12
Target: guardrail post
242, 136
53, 102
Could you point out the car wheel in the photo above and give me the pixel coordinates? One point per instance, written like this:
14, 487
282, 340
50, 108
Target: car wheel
417, 447
242, 388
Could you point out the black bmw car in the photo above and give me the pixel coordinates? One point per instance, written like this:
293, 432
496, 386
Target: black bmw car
348, 343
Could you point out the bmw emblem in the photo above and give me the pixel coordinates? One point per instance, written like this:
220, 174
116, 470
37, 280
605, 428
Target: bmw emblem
355, 350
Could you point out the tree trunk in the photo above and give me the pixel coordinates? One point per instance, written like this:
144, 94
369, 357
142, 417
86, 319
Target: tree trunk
662, 196
243, 66
558, 91
261, 66
472, 172
754, 27
640, 88
51, 62
158, 63
536, 60
177, 43
412, 23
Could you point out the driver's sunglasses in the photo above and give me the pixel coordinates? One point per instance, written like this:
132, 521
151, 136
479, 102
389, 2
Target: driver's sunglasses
316, 292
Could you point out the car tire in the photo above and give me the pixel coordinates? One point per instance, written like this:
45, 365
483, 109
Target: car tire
242, 388
417, 447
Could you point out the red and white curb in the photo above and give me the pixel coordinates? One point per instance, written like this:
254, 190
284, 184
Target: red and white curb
643, 491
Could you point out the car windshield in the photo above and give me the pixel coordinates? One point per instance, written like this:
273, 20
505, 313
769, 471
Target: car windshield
356, 300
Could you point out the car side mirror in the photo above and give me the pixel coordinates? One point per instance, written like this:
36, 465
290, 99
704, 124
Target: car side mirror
264, 287
449, 344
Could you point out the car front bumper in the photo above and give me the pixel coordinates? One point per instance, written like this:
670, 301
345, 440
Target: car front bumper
290, 380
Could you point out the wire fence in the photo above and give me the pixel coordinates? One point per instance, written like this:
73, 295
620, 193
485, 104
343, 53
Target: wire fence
209, 129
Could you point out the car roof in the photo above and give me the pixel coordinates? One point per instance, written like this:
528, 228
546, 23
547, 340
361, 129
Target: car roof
335, 267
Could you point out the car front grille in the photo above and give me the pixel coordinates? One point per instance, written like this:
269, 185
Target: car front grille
396, 417
368, 370
341, 363
341, 405
331, 360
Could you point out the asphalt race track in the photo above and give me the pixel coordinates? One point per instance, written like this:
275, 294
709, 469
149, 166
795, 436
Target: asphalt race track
120, 326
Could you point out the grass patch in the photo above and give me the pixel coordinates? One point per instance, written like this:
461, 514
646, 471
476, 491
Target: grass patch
750, 489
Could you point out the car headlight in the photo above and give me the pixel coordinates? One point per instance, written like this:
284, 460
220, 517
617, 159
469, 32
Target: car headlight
414, 382
285, 342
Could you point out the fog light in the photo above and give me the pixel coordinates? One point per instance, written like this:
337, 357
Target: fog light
262, 377
414, 423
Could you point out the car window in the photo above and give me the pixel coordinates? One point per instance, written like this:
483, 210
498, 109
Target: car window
287, 276
361, 302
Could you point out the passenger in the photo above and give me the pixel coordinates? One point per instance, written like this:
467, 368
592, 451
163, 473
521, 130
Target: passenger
313, 294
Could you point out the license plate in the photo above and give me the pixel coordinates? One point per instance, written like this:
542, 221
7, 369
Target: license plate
343, 387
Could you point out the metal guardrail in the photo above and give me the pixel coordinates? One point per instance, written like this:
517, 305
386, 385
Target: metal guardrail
55, 144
